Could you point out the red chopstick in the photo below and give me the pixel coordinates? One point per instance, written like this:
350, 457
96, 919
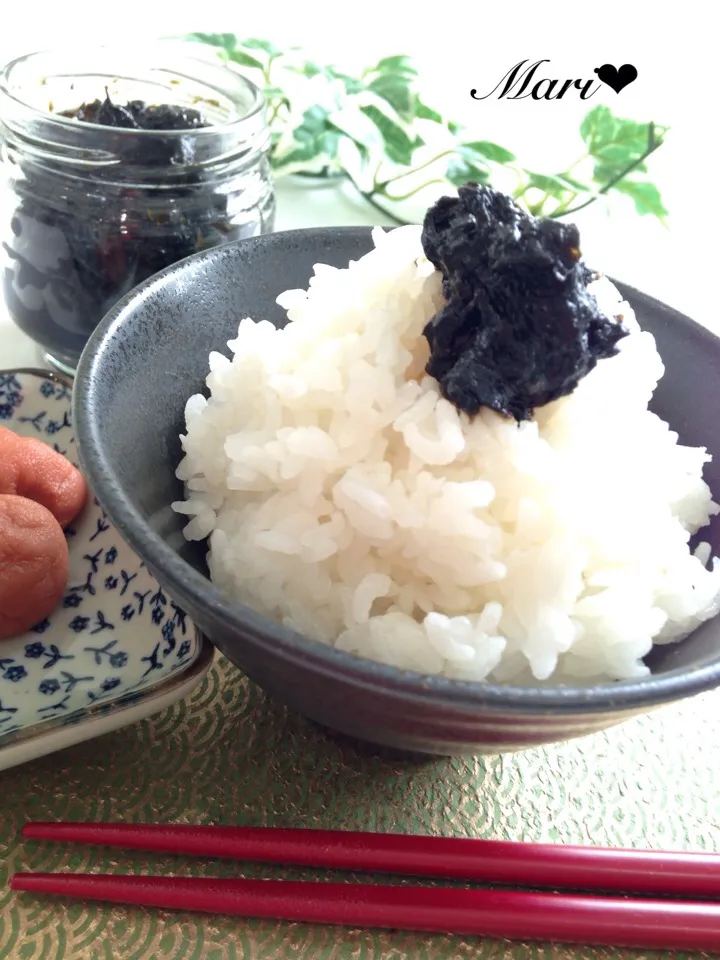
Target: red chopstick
505, 914
497, 861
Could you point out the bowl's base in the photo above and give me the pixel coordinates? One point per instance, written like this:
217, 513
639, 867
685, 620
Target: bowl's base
368, 749
376, 724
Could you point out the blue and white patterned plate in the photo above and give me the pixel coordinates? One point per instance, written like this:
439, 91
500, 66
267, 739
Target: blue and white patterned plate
115, 636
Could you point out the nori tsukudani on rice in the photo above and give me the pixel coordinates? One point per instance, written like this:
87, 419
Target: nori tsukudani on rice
446, 461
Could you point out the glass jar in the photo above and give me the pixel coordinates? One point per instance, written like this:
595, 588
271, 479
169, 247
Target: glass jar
95, 210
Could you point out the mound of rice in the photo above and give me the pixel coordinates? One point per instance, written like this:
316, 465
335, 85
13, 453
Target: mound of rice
345, 498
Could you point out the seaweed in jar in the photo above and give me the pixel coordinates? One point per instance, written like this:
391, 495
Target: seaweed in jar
519, 327
79, 244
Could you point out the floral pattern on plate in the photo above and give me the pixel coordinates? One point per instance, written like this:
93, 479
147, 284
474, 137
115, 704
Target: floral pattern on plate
115, 633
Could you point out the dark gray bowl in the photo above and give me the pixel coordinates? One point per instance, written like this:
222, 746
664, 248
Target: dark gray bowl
150, 354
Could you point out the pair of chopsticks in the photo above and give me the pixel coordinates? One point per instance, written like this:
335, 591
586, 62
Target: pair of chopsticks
621, 921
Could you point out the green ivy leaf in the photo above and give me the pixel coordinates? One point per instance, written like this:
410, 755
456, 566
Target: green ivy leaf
302, 154
254, 43
310, 69
615, 140
460, 170
616, 153
226, 41
423, 112
398, 145
645, 195
329, 143
400, 64
334, 125
597, 127
395, 89
244, 59
555, 186
315, 137
489, 150
313, 126
351, 84
631, 133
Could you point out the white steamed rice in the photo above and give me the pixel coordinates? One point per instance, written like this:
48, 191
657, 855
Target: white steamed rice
345, 498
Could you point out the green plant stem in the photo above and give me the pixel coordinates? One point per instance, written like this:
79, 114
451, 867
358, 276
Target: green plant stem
652, 147
559, 210
377, 187
266, 70
417, 169
275, 111
575, 163
518, 174
537, 208
325, 174
411, 193
562, 207
369, 197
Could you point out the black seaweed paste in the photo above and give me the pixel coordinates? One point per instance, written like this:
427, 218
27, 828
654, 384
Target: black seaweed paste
519, 327
79, 245
138, 115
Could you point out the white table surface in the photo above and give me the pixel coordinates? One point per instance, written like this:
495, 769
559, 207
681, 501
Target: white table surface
666, 264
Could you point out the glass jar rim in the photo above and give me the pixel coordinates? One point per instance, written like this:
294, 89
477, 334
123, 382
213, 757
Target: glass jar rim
256, 106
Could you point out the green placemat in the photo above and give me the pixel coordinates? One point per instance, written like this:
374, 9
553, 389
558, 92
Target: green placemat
230, 755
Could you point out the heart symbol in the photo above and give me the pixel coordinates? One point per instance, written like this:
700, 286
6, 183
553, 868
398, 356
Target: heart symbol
616, 78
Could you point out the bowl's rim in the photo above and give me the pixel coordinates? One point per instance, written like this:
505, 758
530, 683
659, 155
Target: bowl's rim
625, 696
